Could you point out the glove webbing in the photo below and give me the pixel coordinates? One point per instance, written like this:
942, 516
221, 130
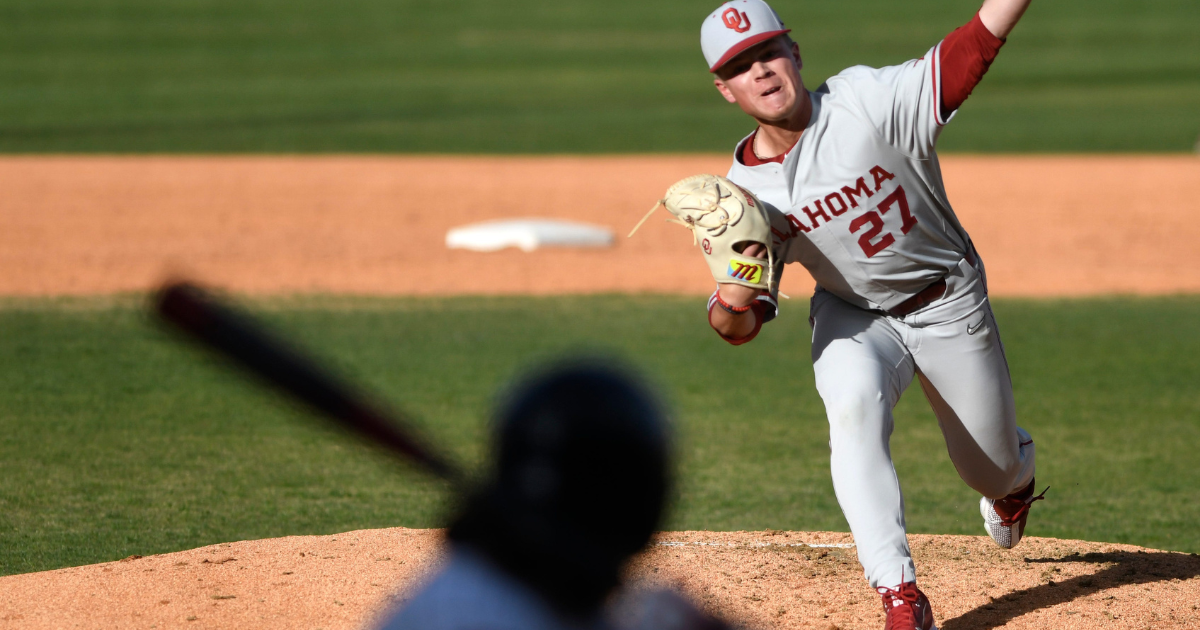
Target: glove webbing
690, 222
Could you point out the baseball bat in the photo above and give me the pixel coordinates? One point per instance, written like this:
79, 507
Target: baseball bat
237, 337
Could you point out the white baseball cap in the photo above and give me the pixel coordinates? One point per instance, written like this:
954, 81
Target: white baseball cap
736, 26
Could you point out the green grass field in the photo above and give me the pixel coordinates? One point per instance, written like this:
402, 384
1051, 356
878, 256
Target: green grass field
566, 76
116, 440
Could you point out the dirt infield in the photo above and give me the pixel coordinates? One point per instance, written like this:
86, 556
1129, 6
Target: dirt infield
761, 579
376, 225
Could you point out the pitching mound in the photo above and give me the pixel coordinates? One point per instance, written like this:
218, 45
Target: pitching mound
762, 579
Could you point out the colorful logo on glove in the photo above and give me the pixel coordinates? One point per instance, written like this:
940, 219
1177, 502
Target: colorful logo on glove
747, 272
706, 246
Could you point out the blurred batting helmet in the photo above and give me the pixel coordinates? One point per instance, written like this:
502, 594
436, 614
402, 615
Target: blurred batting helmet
578, 482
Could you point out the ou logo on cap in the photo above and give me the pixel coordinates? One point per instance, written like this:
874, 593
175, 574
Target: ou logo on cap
739, 22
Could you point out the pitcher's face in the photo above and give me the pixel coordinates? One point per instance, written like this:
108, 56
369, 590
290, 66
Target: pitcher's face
764, 80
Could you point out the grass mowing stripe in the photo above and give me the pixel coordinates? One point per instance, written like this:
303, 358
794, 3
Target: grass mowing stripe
114, 440
475, 76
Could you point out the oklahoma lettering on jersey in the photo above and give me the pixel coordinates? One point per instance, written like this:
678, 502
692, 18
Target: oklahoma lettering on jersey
860, 197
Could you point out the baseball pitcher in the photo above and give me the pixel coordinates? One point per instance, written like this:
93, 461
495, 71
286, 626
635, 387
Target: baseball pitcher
845, 180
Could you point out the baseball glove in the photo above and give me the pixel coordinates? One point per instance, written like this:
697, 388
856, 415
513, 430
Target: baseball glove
724, 218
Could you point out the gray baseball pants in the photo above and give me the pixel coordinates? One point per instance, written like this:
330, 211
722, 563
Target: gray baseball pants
863, 362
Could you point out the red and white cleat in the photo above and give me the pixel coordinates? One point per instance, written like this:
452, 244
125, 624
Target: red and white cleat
907, 608
1004, 519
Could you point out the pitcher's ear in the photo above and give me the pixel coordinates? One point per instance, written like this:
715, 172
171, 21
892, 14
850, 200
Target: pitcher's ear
724, 90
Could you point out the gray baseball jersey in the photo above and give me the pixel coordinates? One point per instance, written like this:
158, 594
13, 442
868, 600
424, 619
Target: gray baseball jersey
861, 205
861, 195
469, 592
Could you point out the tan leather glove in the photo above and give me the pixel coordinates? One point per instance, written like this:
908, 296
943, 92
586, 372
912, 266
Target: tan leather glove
724, 218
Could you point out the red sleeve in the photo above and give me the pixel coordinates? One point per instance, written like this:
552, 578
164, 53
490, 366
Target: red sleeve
965, 56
